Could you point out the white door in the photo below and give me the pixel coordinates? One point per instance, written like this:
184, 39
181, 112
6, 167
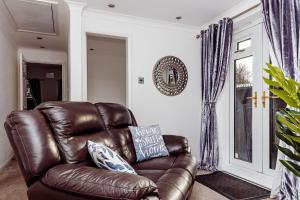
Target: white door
246, 85
252, 110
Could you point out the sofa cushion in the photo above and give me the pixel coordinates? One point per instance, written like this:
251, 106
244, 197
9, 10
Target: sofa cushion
106, 158
182, 161
117, 118
148, 142
98, 183
72, 118
152, 174
74, 123
114, 115
123, 143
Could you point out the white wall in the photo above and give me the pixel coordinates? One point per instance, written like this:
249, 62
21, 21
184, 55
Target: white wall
8, 82
49, 57
106, 70
148, 41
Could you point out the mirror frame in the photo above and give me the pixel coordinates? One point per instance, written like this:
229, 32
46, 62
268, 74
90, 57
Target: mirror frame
158, 79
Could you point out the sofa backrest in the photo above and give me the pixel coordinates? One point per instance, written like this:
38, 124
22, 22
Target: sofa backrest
57, 132
117, 119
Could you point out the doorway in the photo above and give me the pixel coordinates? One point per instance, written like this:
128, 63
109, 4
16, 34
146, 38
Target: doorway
252, 107
43, 83
106, 69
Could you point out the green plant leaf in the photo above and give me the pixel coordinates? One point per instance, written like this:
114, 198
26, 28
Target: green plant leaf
291, 117
295, 138
298, 94
290, 125
289, 153
285, 138
288, 120
271, 83
267, 70
294, 168
285, 97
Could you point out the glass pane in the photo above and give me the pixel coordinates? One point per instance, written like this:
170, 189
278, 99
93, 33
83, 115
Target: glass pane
276, 105
244, 44
243, 109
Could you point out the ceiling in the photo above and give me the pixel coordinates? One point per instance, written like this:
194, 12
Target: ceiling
53, 19
32, 16
193, 12
33, 19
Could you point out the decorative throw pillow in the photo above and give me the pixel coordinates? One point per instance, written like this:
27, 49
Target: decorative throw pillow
148, 142
106, 158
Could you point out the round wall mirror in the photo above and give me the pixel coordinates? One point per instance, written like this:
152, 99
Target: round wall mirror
170, 75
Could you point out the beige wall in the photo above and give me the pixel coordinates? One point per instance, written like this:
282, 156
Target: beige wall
8, 82
106, 70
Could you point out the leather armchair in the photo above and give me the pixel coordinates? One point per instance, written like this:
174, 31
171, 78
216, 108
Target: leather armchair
50, 145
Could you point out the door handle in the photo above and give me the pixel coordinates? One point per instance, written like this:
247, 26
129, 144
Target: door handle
265, 97
239, 51
254, 98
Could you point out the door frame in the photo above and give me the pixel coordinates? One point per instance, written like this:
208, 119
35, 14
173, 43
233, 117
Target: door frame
110, 34
21, 95
22, 58
266, 179
255, 51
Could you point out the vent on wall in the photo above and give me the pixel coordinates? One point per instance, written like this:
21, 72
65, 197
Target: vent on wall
34, 16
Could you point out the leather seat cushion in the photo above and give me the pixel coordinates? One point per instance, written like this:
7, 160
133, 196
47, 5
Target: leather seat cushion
98, 183
182, 161
153, 175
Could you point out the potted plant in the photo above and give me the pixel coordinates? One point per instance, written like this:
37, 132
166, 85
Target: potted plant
288, 119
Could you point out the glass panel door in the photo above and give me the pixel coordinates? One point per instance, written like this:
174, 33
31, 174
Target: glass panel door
246, 84
252, 140
243, 104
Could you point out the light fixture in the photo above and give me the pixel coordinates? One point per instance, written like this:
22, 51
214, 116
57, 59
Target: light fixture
111, 5
179, 17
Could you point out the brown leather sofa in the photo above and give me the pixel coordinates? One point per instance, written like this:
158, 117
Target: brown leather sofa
50, 145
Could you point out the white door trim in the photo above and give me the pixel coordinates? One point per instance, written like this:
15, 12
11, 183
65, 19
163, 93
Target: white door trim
21, 61
41, 61
263, 176
256, 52
113, 34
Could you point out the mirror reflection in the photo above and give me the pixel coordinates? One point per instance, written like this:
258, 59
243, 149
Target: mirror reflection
170, 76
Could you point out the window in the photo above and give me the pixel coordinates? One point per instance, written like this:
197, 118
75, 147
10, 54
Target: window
242, 45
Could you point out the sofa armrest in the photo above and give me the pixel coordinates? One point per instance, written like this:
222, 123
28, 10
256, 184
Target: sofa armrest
177, 144
98, 183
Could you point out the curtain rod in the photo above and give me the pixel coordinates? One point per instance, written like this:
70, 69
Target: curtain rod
239, 14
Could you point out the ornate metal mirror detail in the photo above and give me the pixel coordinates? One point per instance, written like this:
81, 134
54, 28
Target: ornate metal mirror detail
170, 75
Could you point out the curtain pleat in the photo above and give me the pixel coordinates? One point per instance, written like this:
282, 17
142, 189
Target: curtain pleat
215, 50
282, 23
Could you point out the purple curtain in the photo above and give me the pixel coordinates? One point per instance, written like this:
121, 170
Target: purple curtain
215, 49
282, 23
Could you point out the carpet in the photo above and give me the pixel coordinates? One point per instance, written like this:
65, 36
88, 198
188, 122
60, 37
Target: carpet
232, 187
